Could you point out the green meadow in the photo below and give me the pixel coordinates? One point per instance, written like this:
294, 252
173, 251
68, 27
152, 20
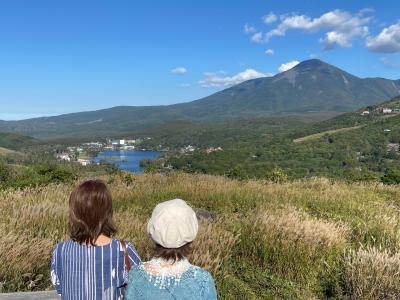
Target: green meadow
308, 239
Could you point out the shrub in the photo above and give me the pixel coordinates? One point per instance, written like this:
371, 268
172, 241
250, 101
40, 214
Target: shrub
391, 177
150, 169
62, 175
149, 166
236, 173
277, 175
127, 179
39, 175
110, 168
4, 174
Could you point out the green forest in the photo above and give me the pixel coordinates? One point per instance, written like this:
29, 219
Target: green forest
354, 146
350, 146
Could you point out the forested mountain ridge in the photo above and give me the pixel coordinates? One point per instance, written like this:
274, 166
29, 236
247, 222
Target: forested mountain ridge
364, 144
312, 85
15, 141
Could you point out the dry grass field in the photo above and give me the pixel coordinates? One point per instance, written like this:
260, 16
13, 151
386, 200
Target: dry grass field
311, 239
4, 151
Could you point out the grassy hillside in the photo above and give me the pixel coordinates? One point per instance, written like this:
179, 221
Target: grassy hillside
319, 135
356, 118
311, 239
5, 151
15, 141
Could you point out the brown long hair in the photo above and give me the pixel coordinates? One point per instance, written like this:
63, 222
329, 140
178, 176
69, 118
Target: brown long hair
90, 212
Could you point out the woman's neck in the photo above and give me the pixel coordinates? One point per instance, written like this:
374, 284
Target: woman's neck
168, 263
102, 240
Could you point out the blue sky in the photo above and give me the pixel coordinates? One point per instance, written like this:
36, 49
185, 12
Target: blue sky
66, 56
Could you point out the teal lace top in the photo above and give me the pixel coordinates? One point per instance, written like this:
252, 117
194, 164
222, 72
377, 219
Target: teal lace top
184, 281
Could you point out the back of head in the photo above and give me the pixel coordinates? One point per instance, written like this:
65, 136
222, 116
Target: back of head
173, 225
90, 212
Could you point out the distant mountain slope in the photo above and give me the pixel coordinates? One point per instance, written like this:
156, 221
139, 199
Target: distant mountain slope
312, 85
13, 141
355, 146
356, 118
106, 122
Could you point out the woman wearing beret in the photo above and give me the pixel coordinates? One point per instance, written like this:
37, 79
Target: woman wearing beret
169, 275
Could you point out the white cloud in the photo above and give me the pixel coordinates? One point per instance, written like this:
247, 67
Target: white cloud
269, 52
389, 63
257, 37
288, 65
343, 39
179, 70
270, 18
343, 27
249, 28
217, 80
388, 41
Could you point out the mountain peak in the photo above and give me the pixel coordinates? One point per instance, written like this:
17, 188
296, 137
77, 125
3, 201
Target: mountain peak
311, 63
312, 85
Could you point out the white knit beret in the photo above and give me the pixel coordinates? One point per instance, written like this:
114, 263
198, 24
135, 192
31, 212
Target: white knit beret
173, 224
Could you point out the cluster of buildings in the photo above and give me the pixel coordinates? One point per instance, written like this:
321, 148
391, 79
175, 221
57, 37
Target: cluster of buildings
383, 110
190, 148
121, 144
72, 155
395, 147
187, 149
81, 153
213, 149
63, 156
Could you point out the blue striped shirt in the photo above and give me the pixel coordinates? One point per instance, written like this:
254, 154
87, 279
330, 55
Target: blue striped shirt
90, 272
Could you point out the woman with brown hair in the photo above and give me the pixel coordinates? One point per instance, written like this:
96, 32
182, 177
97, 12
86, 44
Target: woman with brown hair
91, 265
169, 275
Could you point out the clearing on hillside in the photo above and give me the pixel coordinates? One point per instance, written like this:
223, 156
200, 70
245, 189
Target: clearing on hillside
5, 151
321, 134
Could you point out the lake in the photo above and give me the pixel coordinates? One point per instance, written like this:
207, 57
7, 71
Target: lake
128, 160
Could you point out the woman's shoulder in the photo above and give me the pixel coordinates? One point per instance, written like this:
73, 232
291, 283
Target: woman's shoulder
194, 272
114, 244
61, 244
205, 283
120, 244
137, 271
137, 268
202, 274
